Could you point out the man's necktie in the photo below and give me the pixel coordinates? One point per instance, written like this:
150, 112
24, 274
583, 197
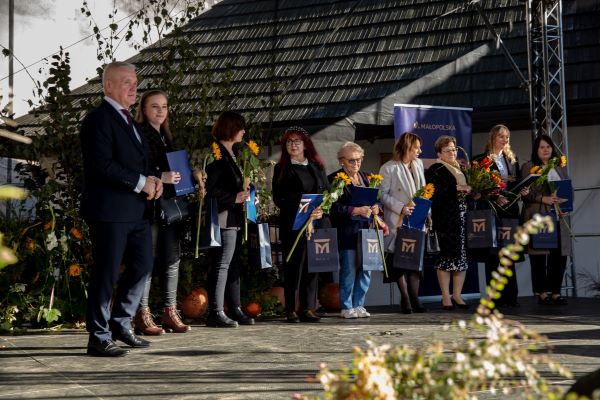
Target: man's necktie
130, 123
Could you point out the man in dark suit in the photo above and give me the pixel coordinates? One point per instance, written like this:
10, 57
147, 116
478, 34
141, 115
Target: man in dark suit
115, 166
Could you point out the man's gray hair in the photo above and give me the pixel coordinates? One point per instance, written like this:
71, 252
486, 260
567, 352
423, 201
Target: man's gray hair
114, 65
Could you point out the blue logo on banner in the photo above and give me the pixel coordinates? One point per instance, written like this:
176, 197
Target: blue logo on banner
308, 203
431, 122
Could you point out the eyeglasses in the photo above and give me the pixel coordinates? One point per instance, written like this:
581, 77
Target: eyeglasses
454, 150
291, 142
354, 161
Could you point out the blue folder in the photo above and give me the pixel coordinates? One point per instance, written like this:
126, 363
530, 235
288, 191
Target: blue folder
363, 196
178, 161
417, 219
564, 190
308, 203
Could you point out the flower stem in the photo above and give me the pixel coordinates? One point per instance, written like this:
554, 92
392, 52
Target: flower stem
287, 259
201, 204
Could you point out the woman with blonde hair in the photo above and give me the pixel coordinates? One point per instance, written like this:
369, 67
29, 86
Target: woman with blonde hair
505, 162
402, 177
354, 281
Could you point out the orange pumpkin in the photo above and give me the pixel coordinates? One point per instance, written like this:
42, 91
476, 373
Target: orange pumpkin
329, 296
195, 304
252, 309
277, 291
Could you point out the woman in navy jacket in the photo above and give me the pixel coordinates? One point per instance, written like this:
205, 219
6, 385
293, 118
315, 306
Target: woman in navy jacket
354, 281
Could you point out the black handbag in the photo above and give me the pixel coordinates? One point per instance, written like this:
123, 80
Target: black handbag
173, 209
432, 244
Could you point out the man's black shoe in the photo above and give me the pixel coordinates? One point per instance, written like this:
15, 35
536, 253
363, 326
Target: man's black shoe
128, 337
108, 348
309, 316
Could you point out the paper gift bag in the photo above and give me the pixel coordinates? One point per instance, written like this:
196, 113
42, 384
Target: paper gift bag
505, 229
409, 249
545, 239
210, 231
369, 250
481, 229
322, 251
259, 253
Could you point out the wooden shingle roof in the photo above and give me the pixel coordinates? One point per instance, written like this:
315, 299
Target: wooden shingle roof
330, 59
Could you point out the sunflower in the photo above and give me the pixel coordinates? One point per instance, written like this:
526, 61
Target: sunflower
216, 151
253, 147
563, 161
344, 177
428, 191
74, 270
535, 170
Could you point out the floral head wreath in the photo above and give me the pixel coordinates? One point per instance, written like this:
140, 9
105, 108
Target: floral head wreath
296, 129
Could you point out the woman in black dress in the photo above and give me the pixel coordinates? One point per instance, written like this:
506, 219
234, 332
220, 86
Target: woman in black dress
300, 170
448, 212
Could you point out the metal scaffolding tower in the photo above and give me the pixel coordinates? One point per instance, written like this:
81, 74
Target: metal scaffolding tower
547, 84
546, 71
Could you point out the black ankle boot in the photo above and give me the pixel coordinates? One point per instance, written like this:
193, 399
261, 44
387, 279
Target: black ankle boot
220, 320
239, 316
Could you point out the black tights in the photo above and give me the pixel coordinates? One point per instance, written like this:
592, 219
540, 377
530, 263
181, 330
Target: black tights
408, 284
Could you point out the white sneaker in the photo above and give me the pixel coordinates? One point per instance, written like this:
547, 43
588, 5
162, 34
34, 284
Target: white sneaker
351, 313
361, 312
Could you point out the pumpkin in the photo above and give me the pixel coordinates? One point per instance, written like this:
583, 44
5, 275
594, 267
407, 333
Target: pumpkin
329, 296
252, 309
195, 304
277, 291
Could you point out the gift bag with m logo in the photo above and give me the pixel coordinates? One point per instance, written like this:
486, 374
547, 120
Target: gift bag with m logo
369, 251
409, 249
322, 251
481, 229
505, 229
259, 253
545, 239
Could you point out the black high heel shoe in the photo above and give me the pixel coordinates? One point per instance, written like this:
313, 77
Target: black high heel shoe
447, 308
463, 306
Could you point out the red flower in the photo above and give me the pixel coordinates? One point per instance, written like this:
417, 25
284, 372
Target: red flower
486, 163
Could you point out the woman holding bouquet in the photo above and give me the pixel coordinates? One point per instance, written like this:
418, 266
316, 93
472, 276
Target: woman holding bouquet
547, 266
300, 170
225, 184
153, 118
505, 162
448, 211
354, 282
402, 177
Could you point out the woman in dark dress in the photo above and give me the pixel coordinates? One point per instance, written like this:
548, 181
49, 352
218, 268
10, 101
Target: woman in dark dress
225, 184
448, 212
153, 118
507, 164
300, 170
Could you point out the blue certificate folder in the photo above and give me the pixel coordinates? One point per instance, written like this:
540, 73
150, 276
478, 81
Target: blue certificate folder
178, 161
417, 219
564, 191
251, 211
308, 202
362, 196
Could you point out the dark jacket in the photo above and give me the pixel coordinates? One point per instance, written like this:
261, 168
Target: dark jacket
341, 216
287, 194
113, 160
445, 212
514, 177
224, 181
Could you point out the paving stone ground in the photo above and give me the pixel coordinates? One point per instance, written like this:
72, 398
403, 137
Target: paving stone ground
270, 360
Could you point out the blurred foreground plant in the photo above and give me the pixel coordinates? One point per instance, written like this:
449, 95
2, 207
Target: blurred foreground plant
490, 355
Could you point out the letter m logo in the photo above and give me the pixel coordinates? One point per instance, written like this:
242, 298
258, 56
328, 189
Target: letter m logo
372, 246
408, 245
478, 224
504, 232
322, 246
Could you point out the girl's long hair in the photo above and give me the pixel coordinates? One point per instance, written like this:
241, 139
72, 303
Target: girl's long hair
141, 118
489, 146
